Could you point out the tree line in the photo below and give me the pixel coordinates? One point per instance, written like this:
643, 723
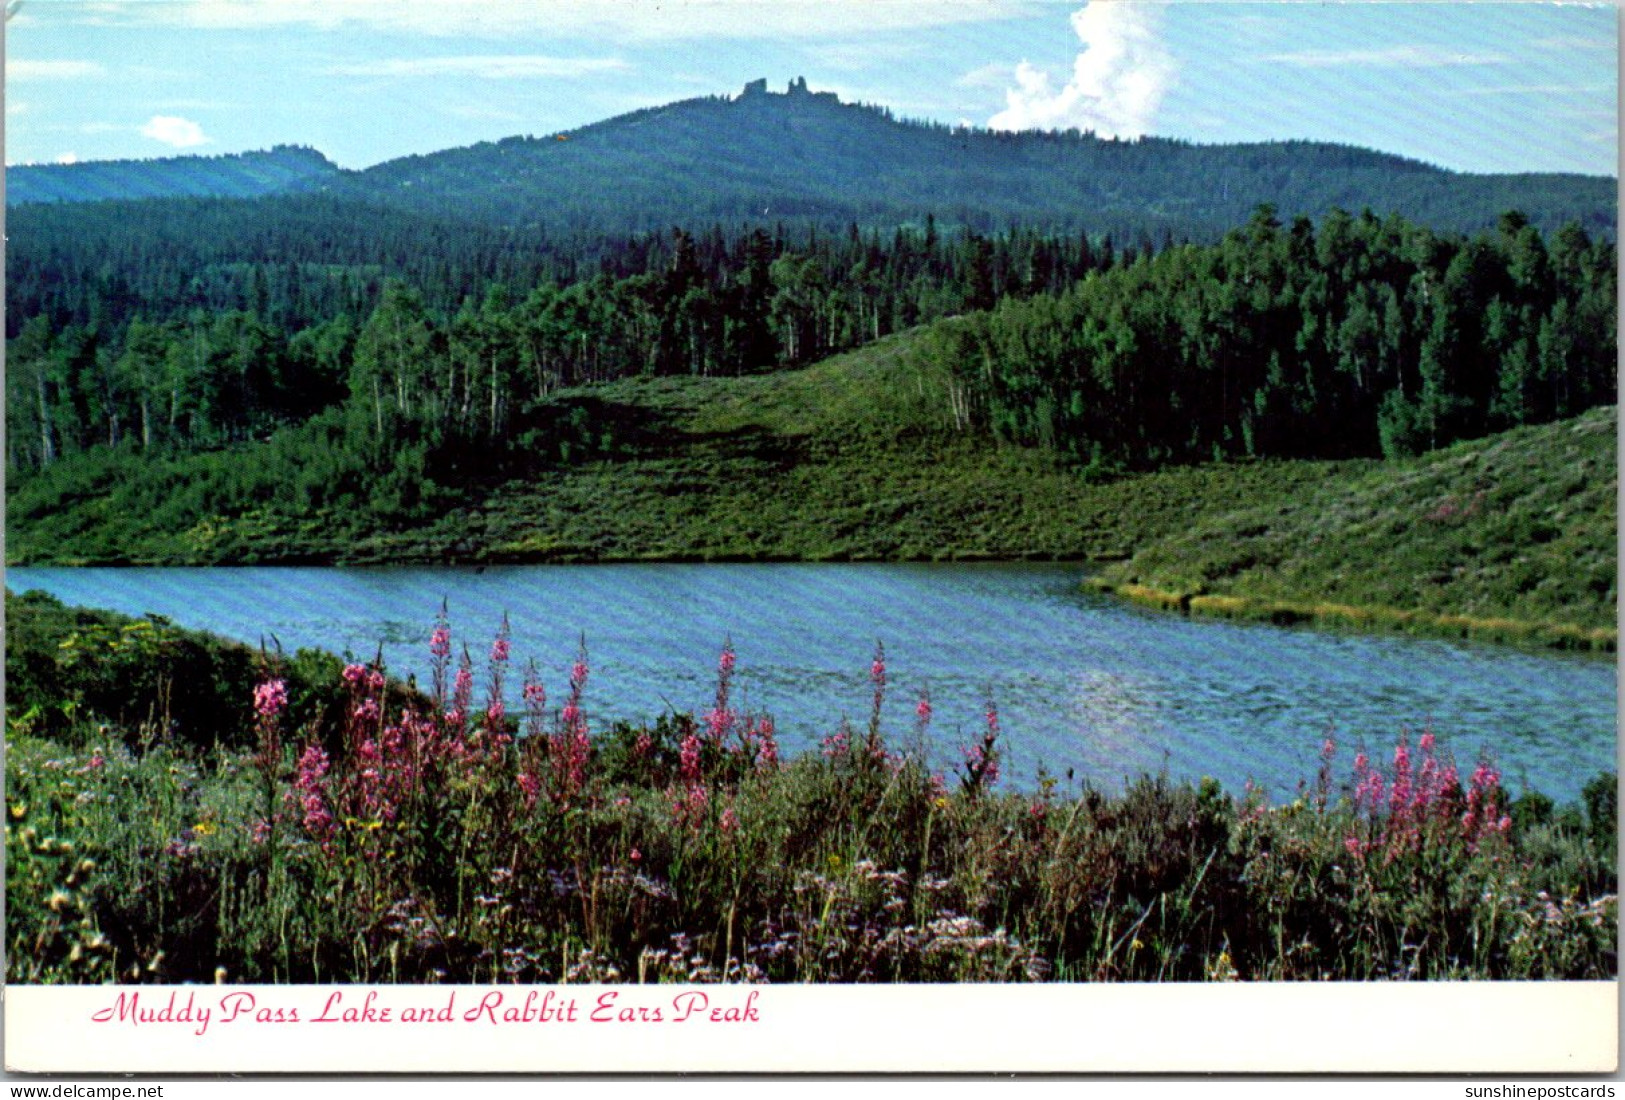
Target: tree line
152, 372
1361, 337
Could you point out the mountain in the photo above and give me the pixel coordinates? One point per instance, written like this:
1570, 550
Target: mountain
803, 157
238, 175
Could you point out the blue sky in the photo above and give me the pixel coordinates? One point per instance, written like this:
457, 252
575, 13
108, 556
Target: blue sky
1471, 86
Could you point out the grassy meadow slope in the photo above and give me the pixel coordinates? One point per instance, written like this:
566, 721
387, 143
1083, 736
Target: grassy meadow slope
1511, 537
856, 458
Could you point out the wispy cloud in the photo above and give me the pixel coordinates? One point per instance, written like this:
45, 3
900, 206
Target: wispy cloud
1537, 89
852, 57
23, 70
1118, 81
988, 76
174, 131
1392, 57
1576, 42
477, 114
504, 67
501, 18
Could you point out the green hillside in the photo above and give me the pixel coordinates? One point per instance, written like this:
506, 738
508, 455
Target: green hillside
857, 458
1490, 538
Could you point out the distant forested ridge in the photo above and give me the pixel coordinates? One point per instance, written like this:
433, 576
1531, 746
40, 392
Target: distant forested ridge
234, 175
804, 158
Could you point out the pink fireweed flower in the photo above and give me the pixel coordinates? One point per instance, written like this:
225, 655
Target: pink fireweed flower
689, 807
721, 719
923, 710
271, 698
982, 764
767, 747
531, 786
311, 782
462, 689
877, 677
688, 759
838, 744
499, 649
440, 642
1399, 794
355, 674
729, 821
535, 696
96, 761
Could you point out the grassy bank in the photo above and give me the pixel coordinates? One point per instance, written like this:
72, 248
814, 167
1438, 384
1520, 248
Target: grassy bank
1508, 539
409, 839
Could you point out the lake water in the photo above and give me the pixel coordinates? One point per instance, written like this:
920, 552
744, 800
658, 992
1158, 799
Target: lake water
1081, 682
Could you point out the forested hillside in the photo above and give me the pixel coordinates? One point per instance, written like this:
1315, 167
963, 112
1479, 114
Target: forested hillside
235, 175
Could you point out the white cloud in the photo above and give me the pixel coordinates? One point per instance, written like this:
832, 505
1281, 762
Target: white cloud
645, 19
988, 76
1118, 80
1393, 57
53, 70
510, 67
171, 130
68, 158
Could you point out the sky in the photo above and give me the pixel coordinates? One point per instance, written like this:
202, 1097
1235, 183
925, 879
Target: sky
1479, 87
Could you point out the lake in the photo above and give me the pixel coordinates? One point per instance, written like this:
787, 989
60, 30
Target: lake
1081, 682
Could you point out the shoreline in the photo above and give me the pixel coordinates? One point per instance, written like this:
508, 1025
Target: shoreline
1366, 620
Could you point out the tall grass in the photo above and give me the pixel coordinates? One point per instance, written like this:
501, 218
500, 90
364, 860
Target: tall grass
406, 837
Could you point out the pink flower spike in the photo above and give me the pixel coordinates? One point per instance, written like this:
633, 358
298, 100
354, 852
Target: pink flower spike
271, 698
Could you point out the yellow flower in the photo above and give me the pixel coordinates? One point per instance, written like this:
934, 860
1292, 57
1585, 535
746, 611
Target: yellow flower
203, 828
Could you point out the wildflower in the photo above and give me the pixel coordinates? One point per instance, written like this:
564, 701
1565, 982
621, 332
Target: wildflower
688, 759
97, 761
767, 754
311, 781
271, 698
440, 642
